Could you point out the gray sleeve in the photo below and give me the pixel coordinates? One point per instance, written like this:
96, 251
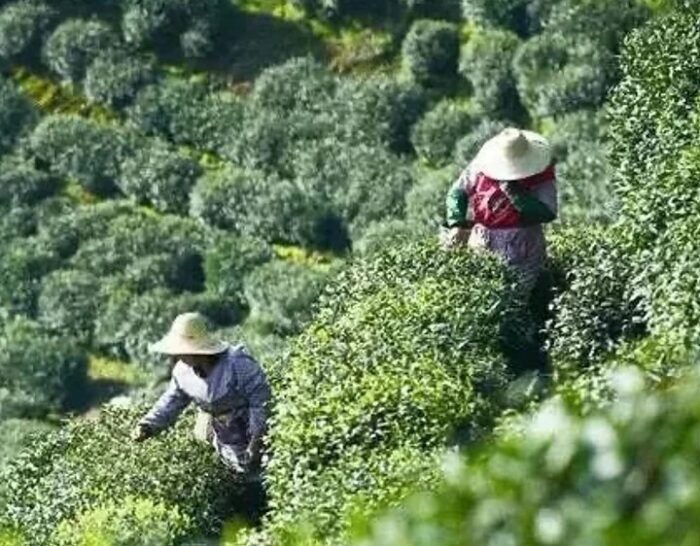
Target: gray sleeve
255, 387
167, 408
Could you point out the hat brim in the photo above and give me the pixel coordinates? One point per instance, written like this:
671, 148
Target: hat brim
494, 163
178, 346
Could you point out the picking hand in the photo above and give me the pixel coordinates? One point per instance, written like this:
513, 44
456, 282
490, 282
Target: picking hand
458, 236
141, 433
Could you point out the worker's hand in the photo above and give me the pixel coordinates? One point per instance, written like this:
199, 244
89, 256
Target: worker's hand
458, 236
141, 433
252, 456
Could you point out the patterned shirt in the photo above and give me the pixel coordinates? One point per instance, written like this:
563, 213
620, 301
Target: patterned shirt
235, 393
523, 248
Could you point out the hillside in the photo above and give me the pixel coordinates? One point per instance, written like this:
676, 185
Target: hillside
281, 167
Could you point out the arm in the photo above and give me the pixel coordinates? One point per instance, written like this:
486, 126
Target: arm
457, 203
166, 410
538, 206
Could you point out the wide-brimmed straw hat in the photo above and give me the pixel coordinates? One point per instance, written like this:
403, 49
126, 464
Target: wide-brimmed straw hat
514, 154
189, 335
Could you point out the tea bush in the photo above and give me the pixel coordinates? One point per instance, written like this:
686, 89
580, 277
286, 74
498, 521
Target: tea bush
199, 40
128, 323
17, 115
350, 182
18, 434
63, 234
156, 108
132, 236
299, 84
601, 305
557, 74
519, 16
22, 184
425, 201
210, 123
583, 127
335, 10
378, 109
114, 80
378, 236
67, 304
73, 46
434, 137
253, 203
42, 374
281, 295
263, 141
228, 260
479, 502
91, 463
81, 149
23, 26
672, 274
24, 263
383, 323
126, 522
585, 185
652, 117
431, 52
608, 21
188, 26
486, 63
157, 175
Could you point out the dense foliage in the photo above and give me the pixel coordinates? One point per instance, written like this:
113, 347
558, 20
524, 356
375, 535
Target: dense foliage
162, 156
387, 374
89, 464
623, 475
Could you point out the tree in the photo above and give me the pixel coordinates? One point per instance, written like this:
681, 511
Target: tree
281, 295
486, 62
23, 25
115, 79
42, 373
21, 183
17, 115
557, 74
75, 44
157, 175
435, 136
188, 26
67, 304
81, 149
431, 52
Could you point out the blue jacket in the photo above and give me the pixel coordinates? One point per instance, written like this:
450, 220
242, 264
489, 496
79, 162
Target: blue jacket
235, 394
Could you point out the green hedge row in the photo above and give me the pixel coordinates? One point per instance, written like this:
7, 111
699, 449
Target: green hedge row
58, 488
624, 475
404, 357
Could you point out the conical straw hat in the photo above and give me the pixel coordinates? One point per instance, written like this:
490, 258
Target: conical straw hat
189, 335
514, 154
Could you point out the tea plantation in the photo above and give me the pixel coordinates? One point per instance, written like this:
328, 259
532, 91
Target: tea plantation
280, 166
